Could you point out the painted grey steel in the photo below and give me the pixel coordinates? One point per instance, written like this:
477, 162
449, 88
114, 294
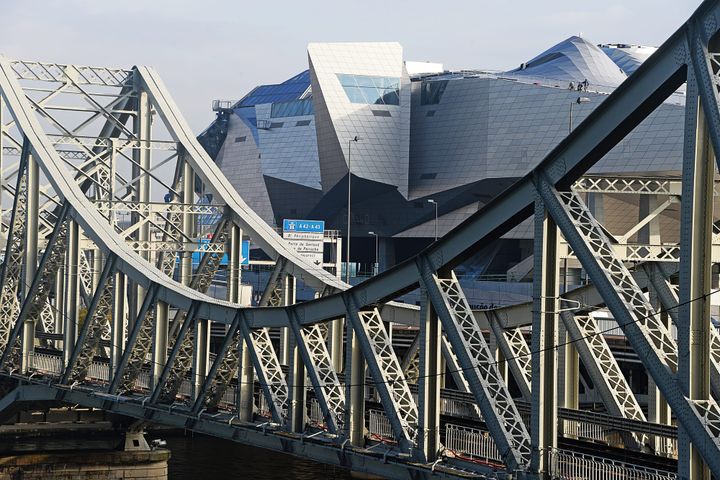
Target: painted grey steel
603, 369
315, 355
631, 311
373, 340
614, 118
516, 351
479, 368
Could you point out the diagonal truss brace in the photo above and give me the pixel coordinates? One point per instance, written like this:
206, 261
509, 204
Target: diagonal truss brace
630, 309
40, 287
480, 369
669, 301
316, 357
516, 351
89, 339
267, 367
603, 368
390, 382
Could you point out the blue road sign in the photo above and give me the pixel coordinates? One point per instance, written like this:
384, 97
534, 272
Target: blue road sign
303, 226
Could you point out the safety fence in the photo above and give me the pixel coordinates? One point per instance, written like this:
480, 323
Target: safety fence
575, 466
379, 425
470, 442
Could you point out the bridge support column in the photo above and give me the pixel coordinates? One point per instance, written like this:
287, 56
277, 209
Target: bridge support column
202, 352
160, 346
188, 182
695, 272
544, 338
117, 334
59, 302
297, 391
568, 376
288, 298
246, 373
72, 287
142, 126
430, 381
336, 343
355, 387
658, 409
337, 327
31, 250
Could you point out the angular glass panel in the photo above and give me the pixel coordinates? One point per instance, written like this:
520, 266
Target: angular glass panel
370, 90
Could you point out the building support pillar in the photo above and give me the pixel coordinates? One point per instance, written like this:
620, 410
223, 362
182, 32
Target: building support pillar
544, 339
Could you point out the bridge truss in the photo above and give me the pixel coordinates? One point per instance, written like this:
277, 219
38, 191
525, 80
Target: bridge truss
104, 192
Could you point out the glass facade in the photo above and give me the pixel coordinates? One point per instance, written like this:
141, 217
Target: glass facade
290, 89
297, 108
432, 92
371, 90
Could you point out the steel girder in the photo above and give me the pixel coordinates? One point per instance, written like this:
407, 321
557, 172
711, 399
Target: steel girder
384, 367
316, 358
659, 76
513, 346
603, 369
478, 365
658, 281
632, 312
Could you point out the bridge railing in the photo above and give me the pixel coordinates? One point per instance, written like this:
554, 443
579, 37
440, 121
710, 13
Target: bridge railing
379, 425
466, 441
573, 465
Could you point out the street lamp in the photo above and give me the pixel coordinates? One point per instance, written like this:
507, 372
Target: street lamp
578, 100
377, 257
347, 251
430, 200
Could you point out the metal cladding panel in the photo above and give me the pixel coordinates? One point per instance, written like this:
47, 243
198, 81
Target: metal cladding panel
239, 159
381, 154
289, 148
628, 58
573, 60
496, 128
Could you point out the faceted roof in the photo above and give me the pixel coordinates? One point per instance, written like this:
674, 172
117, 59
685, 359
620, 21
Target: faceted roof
291, 89
573, 60
627, 57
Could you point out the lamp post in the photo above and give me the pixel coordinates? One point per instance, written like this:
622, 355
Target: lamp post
347, 251
377, 256
430, 200
578, 100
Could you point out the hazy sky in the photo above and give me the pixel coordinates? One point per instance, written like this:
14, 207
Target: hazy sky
208, 49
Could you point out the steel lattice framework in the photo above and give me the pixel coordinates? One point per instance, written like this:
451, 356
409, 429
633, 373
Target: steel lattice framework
100, 274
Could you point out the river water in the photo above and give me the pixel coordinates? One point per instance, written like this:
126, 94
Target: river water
207, 458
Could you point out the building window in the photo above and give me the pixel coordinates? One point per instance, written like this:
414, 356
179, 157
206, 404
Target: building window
296, 108
276, 124
381, 113
240, 139
302, 123
371, 90
432, 92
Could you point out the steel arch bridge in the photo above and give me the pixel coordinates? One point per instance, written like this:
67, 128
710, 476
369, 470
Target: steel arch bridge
101, 304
